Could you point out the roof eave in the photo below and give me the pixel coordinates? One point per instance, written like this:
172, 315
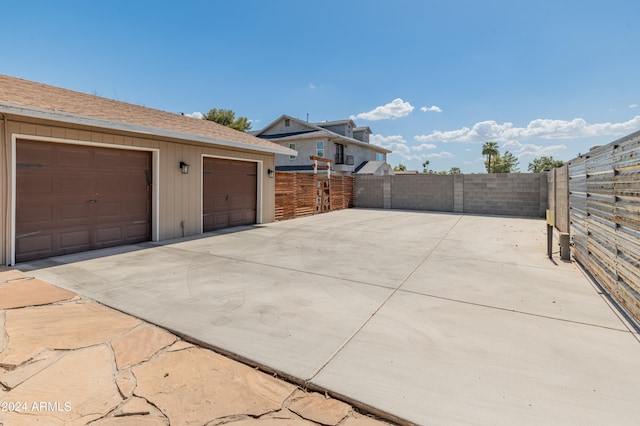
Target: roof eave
71, 118
332, 135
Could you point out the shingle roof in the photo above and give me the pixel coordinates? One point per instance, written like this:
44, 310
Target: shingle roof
23, 97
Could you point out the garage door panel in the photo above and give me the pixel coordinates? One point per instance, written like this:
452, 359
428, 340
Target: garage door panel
136, 209
221, 221
34, 214
110, 160
135, 231
35, 184
73, 211
87, 198
32, 246
105, 185
229, 193
237, 218
108, 235
207, 222
136, 182
136, 161
107, 210
70, 241
72, 157
73, 184
36, 157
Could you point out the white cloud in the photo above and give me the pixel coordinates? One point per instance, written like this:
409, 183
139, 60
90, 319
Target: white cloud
540, 128
312, 86
433, 108
423, 147
394, 109
395, 143
633, 106
532, 150
195, 115
442, 154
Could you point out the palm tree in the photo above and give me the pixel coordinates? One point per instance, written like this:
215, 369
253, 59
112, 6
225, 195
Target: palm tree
425, 166
490, 149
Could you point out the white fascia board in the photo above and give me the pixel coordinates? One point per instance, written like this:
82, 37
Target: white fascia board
67, 117
324, 133
376, 148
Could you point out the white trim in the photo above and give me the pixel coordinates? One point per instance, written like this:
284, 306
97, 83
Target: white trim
68, 117
155, 195
259, 182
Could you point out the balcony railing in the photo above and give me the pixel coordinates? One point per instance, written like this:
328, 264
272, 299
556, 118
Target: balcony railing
344, 159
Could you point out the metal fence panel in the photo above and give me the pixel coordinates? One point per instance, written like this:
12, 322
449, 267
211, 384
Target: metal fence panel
604, 198
578, 208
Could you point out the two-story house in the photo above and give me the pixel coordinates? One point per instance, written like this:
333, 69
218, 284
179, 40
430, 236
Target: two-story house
346, 145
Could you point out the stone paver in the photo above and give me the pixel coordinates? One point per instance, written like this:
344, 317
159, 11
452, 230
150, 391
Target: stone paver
64, 326
139, 345
74, 390
13, 378
198, 386
131, 421
320, 409
126, 382
133, 406
75, 362
23, 291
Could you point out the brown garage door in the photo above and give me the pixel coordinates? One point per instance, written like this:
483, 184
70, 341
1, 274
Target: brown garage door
72, 198
229, 194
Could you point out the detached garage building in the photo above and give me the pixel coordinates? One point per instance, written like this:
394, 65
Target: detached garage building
80, 172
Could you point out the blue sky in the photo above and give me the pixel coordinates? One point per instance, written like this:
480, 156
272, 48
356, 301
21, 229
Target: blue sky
432, 79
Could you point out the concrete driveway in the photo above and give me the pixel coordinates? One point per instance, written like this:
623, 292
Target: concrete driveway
431, 318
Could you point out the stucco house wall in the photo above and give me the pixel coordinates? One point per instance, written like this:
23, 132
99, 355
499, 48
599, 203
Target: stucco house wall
306, 135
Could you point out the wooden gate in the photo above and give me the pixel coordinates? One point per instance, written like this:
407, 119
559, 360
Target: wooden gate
304, 194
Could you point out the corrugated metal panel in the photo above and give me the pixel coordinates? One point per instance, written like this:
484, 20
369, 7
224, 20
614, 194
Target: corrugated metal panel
627, 217
578, 208
604, 188
561, 199
551, 187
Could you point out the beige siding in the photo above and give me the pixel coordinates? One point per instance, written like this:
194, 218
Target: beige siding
279, 127
5, 201
179, 196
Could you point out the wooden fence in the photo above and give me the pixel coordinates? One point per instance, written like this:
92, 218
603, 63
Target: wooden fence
304, 194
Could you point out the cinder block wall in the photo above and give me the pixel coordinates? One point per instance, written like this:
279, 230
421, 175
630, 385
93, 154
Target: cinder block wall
516, 194
422, 192
369, 191
509, 194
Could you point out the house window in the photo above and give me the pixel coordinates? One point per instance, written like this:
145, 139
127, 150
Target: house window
320, 149
292, 146
287, 122
379, 156
339, 153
